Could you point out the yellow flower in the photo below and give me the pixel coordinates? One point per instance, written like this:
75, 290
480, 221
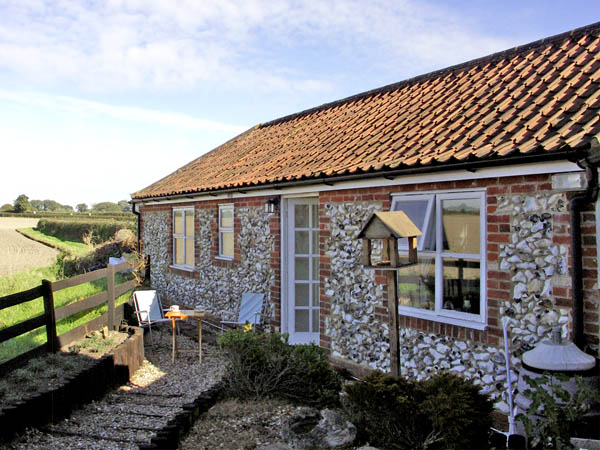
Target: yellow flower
247, 327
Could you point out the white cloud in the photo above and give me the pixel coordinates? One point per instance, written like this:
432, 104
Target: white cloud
128, 113
84, 169
181, 45
73, 150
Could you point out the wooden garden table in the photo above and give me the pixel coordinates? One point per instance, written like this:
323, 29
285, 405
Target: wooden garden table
185, 314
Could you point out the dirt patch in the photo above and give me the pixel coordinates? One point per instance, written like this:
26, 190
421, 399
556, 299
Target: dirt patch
19, 254
98, 343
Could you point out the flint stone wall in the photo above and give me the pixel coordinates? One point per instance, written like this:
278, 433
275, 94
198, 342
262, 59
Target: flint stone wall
216, 289
356, 333
361, 336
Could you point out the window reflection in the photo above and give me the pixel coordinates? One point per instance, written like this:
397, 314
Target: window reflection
461, 225
461, 285
416, 284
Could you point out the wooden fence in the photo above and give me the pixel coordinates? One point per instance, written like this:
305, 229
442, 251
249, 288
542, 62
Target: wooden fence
112, 318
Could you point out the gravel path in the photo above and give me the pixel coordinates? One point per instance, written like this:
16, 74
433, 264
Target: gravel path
131, 415
19, 254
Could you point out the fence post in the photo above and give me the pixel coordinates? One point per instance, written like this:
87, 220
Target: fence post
147, 271
110, 290
52, 338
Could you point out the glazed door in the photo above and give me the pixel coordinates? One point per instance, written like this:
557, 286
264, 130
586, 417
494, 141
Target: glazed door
303, 270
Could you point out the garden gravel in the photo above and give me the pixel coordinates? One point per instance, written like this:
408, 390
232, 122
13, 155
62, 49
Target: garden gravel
130, 415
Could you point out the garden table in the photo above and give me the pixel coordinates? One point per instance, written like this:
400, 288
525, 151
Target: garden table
185, 314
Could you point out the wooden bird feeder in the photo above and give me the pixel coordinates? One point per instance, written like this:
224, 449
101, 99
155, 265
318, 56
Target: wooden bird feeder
389, 226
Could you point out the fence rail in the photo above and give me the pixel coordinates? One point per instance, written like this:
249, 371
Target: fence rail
112, 318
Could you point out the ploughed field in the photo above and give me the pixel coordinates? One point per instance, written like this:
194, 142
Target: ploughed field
19, 254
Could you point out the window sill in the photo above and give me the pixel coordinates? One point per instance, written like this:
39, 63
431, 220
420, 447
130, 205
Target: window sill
224, 258
426, 315
184, 268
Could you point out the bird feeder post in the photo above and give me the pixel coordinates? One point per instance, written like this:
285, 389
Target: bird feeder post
394, 335
389, 227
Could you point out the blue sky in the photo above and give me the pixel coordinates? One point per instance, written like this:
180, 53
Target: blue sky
101, 98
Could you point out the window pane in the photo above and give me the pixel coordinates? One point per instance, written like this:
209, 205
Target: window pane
301, 216
301, 242
301, 320
315, 216
461, 225
178, 225
315, 297
227, 243
226, 217
416, 211
189, 252
315, 320
315, 268
315, 242
301, 268
179, 251
461, 285
416, 284
301, 294
189, 223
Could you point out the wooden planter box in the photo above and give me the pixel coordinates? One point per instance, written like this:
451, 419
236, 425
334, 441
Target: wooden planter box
113, 369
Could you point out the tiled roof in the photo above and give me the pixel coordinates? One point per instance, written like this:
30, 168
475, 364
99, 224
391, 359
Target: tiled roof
538, 98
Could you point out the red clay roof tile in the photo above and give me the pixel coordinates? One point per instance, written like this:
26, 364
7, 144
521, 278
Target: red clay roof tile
538, 98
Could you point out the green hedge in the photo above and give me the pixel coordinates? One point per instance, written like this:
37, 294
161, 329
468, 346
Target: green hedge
125, 216
76, 230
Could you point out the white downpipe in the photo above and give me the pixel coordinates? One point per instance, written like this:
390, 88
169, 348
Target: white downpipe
511, 416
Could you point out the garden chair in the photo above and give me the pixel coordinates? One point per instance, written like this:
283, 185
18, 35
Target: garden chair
149, 310
250, 310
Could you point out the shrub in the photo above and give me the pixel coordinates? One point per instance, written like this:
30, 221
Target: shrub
70, 267
559, 413
445, 411
265, 365
97, 231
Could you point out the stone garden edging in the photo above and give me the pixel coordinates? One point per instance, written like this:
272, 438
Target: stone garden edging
176, 429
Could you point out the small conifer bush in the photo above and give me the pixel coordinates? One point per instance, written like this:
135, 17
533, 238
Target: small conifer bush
264, 365
443, 412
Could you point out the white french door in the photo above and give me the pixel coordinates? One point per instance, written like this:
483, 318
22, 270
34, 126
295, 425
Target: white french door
303, 270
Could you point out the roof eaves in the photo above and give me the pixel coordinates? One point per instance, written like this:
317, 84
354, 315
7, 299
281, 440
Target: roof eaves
470, 164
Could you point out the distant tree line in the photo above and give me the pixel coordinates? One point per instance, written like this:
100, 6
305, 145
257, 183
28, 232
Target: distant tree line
23, 204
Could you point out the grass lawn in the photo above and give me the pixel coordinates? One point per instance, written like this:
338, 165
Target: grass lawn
27, 280
72, 248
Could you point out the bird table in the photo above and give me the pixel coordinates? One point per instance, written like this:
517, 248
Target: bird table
185, 314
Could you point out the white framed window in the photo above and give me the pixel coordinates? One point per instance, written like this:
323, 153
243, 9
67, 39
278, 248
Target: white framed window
448, 282
226, 239
183, 237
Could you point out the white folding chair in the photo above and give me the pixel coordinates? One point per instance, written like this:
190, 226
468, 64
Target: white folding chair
250, 310
149, 310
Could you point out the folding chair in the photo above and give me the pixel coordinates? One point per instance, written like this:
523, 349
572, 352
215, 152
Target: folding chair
149, 310
250, 310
